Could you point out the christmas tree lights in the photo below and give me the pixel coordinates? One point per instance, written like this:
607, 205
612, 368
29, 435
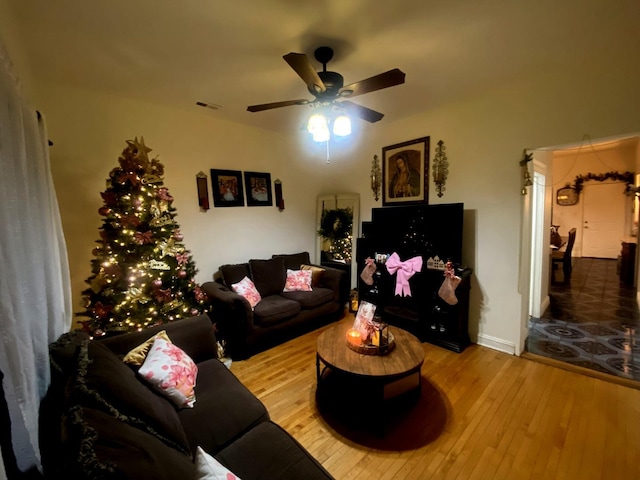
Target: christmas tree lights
142, 274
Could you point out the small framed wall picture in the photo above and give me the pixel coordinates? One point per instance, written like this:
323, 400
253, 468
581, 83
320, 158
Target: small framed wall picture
227, 188
258, 189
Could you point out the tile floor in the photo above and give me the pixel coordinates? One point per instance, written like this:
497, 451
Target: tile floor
594, 322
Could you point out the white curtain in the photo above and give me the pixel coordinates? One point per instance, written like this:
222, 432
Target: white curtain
35, 292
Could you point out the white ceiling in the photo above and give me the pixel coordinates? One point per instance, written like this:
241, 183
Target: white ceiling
229, 52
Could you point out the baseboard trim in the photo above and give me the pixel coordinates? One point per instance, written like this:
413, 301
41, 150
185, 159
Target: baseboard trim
496, 344
582, 370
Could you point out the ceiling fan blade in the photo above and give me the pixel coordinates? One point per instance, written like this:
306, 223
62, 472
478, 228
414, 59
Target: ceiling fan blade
377, 82
363, 112
303, 67
269, 106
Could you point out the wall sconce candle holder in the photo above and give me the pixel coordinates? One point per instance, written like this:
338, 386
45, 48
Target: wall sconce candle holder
440, 168
376, 178
203, 191
278, 188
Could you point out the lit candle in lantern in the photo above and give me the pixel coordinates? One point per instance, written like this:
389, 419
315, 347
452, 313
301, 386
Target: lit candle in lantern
354, 337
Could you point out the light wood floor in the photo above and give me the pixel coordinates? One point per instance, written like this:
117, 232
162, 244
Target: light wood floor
483, 414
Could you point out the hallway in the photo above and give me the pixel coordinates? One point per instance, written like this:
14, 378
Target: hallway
592, 323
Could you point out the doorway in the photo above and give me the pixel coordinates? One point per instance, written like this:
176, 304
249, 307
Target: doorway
548, 325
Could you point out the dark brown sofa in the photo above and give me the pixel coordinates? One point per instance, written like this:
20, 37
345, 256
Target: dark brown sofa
280, 315
100, 421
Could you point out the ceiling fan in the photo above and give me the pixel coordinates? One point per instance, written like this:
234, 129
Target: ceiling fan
328, 87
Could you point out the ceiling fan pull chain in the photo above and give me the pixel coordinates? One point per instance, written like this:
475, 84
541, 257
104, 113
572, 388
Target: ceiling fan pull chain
328, 151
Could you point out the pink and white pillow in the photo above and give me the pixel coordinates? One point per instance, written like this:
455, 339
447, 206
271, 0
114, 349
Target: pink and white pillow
208, 468
298, 281
248, 290
171, 372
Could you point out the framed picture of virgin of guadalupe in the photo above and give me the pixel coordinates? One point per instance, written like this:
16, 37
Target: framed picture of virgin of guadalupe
405, 172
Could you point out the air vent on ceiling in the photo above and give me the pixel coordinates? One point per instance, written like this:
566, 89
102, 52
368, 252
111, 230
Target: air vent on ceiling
212, 106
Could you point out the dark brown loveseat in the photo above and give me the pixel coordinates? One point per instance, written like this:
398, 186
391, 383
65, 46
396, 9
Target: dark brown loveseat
100, 421
280, 315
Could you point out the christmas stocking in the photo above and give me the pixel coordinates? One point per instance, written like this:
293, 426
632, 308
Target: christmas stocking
368, 271
447, 290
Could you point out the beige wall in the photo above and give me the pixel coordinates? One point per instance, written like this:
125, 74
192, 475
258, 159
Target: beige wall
89, 133
485, 136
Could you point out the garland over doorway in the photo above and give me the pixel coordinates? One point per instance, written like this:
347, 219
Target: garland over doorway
626, 177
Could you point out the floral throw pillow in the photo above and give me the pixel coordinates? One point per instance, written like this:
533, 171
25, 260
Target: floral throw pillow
298, 281
248, 290
171, 372
208, 468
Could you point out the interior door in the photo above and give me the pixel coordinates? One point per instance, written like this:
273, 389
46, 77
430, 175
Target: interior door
603, 219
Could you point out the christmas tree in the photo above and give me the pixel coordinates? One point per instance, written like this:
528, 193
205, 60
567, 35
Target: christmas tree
142, 275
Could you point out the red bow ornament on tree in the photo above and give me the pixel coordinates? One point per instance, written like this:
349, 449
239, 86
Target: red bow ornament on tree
405, 271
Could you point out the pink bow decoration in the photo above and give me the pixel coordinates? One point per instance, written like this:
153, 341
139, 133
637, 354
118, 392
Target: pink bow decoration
405, 271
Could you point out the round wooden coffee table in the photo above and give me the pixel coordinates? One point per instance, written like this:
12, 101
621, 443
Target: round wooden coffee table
378, 377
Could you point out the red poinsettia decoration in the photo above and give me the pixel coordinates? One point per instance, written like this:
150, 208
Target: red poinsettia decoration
163, 295
101, 310
130, 221
143, 237
110, 198
131, 177
113, 270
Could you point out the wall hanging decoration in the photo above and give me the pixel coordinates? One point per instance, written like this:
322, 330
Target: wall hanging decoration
203, 190
526, 176
227, 188
566, 196
376, 178
405, 172
278, 188
258, 189
440, 168
336, 226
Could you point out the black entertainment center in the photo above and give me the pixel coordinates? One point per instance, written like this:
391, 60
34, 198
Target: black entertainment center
434, 233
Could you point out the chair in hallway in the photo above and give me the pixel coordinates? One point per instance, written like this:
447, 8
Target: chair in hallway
563, 257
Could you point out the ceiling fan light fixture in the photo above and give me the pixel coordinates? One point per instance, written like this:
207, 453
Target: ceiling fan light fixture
342, 126
321, 134
317, 123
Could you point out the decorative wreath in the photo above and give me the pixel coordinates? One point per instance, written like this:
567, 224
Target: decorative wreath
336, 224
